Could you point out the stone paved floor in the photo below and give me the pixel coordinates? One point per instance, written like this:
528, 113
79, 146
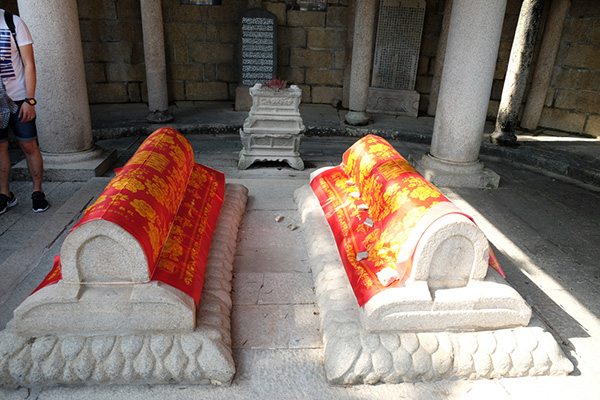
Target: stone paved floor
544, 228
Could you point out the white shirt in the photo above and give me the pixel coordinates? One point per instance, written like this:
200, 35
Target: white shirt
11, 67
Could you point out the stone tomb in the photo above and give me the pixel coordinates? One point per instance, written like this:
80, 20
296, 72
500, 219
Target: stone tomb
452, 316
273, 129
108, 319
358, 349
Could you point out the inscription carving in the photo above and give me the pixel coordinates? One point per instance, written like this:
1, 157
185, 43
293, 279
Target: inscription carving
398, 43
258, 50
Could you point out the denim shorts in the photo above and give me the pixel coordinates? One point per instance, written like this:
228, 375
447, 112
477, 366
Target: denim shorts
23, 131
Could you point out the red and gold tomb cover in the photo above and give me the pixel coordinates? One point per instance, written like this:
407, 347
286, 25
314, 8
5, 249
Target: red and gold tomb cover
169, 204
378, 207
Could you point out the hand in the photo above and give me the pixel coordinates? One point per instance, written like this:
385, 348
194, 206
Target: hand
27, 112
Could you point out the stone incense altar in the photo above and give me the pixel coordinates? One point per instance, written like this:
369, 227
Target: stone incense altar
407, 285
141, 290
273, 129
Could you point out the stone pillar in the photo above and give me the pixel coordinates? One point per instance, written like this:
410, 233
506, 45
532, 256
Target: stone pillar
348, 55
439, 60
156, 64
521, 55
63, 113
471, 53
362, 59
545, 63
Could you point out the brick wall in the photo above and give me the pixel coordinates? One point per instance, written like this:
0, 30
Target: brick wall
573, 99
311, 49
202, 54
111, 35
201, 49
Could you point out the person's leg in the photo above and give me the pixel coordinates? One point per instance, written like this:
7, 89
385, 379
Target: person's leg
4, 169
7, 199
26, 134
34, 163
36, 169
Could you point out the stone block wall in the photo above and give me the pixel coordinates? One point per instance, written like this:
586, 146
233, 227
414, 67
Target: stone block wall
201, 49
201, 46
573, 99
311, 49
111, 36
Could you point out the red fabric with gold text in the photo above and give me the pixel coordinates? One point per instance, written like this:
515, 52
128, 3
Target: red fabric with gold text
158, 185
377, 206
182, 262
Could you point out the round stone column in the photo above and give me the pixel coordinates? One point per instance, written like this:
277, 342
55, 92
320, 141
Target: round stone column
63, 113
439, 59
362, 60
469, 64
348, 55
521, 56
544, 66
156, 64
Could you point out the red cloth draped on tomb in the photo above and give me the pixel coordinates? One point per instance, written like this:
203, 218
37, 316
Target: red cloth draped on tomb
158, 186
378, 206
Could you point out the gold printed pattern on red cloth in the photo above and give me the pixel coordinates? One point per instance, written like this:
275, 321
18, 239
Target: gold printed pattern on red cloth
144, 196
169, 204
182, 262
377, 206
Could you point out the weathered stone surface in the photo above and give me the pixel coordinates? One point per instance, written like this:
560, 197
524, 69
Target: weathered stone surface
306, 18
455, 174
566, 120
206, 91
202, 356
272, 131
326, 94
397, 102
309, 58
512, 352
592, 127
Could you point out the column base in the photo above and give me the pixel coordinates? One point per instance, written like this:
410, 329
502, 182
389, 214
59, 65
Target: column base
357, 118
159, 117
452, 174
504, 138
80, 166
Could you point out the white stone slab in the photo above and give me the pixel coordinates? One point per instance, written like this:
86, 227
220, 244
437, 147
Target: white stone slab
276, 326
287, 288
